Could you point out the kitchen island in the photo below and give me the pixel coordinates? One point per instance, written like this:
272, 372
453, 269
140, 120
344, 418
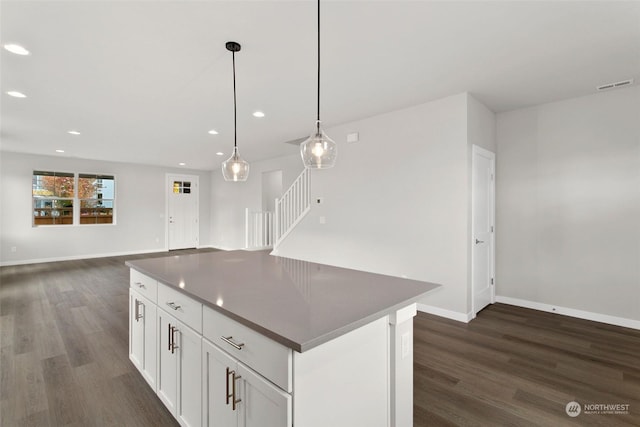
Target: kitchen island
249, 339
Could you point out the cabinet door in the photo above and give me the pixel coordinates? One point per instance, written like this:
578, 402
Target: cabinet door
168, 353
136, 332
217, 383
263, 404
142, 336
189, 410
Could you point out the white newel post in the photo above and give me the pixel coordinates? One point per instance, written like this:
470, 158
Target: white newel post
246, 228
401, 337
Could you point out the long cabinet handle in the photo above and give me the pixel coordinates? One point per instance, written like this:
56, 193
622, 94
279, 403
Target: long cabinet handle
232, 396
170, 337
228, 340
229, 372
173, 339
138, 315
233, 388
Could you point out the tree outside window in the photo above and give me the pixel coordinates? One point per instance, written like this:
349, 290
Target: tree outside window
96, 194
53, 195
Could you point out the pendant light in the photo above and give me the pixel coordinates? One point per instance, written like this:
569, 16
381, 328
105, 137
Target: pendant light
235, 168
319, 151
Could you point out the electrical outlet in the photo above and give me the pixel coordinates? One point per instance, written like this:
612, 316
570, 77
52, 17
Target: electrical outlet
323, 220
14, 249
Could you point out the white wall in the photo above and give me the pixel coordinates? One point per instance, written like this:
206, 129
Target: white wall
568, 204
230, 199
140, 210
397, 201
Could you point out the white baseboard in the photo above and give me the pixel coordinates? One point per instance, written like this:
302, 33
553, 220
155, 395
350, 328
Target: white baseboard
571, 312
222, 248
449, 314
257, 248
76, 257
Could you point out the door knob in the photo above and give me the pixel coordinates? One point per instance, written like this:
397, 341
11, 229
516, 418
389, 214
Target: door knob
479, 241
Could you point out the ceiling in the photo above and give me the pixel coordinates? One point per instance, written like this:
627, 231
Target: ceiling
144, 81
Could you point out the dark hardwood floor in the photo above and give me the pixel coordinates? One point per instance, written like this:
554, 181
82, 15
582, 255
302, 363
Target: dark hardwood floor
520, 367
64, 359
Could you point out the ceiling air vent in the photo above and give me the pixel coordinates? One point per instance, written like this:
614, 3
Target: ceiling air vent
615, 85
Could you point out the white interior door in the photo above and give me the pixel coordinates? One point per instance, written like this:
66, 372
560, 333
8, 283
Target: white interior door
483, 209
182, 211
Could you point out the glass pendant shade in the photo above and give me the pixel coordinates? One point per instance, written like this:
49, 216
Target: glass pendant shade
235, 168
319, 151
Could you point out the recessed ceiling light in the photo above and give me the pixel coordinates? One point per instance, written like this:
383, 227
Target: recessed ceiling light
59, 151
74, 132
16, 94
213, 132
258, 114
182, 163
16, 48
219, 153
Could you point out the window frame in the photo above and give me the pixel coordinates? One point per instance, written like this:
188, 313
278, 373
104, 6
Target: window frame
75, 200
52, 211
98, 211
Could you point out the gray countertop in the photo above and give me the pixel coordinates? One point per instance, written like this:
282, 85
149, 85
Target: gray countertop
296, 303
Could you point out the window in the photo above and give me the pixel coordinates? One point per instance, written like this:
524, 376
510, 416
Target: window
56, 193
181, 187
96, 195
53, 195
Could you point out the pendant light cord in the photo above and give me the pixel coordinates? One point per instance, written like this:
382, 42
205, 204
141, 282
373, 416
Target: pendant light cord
318, 116
235, 124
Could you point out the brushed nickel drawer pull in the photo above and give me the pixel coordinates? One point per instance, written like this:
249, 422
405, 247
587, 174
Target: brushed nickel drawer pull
173, 305
233, 388
173, 339
138, 314
140, 285
233, 344
229, 372
169, 340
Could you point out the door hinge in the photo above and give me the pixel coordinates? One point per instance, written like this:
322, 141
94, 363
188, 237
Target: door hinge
492, 280
492, 228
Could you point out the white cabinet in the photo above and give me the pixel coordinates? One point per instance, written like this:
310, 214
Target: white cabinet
234, 395
210, 370
179, 369
142, 336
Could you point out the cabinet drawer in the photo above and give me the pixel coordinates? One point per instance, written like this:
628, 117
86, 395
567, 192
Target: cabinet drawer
269, 358
144, 285
183, 308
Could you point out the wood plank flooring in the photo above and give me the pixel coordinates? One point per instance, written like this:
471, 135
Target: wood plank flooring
514, 366
64, 359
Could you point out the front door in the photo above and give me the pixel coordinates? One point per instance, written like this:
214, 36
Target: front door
482, 244
182, 211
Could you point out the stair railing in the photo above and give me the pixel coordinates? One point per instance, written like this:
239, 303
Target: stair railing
291, 207
258, 229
